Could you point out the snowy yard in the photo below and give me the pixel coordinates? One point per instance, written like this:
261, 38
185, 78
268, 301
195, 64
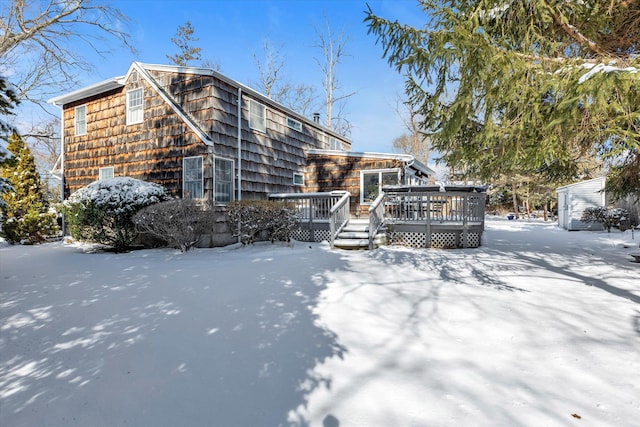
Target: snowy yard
538, 327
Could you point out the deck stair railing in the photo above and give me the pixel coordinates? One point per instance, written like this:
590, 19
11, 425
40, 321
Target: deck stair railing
319, 209
339, 216
376, 217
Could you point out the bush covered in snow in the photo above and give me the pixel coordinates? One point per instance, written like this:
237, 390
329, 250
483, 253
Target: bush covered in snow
102, 211
249, 218
181, 223
605, 216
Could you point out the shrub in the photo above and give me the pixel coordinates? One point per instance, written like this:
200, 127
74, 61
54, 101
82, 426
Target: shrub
102, 211
605, 216
249, 218
181, 223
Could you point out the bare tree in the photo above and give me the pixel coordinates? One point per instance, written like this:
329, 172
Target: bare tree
274, 84
414, 141
299, 97
332, 47
269, 68
43, 41
184, 40
211, 64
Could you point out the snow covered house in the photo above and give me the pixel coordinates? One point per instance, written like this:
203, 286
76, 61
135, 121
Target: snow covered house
573, 199
201, 134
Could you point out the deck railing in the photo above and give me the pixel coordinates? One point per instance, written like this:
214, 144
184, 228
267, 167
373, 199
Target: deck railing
339, 217
413, 204
376, 217
320, 209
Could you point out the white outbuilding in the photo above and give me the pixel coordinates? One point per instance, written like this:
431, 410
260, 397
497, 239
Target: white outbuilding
573, 199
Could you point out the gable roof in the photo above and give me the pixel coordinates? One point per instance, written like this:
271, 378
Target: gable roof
143, 69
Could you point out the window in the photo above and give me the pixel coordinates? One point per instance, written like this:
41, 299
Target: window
81, 120
334, 144
294, 124
257, 116
105, 173
134, 106
223, 180
192, 178
372, 182
298, 178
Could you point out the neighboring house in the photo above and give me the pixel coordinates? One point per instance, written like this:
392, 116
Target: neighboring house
573, 199
203, 135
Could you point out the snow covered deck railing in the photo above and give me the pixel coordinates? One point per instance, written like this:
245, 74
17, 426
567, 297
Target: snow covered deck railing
432, 216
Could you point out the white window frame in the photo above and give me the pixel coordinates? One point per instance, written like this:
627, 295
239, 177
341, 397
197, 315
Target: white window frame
300, 181
335, 144
108, 171
294, 124
379, 172
135, 113
257, 121
215, 180
80, 120
184, 178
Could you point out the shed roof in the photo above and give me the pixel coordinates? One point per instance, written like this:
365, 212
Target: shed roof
581, 183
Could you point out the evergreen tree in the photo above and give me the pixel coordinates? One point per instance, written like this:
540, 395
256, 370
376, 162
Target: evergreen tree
184, 40
527, 87
25, 215
8, 100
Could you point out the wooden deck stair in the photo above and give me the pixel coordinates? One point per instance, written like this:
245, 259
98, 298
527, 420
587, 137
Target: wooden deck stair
356, 236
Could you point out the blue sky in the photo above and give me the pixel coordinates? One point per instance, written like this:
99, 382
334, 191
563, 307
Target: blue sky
231, 32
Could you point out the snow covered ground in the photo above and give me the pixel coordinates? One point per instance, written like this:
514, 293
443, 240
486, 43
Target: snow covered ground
538, 327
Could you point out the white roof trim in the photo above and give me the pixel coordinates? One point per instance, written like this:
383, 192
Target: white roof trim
174, 106
88, 91
407, 158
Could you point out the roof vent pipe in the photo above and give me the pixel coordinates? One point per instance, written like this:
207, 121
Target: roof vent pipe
316, 117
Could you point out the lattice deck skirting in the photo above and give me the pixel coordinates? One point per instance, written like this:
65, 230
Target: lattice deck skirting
310, 235
449, 240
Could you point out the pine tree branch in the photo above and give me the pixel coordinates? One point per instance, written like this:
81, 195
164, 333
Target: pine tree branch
573, 31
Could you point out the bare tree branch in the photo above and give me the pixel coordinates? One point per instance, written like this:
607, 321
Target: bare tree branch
332, 47
41, 42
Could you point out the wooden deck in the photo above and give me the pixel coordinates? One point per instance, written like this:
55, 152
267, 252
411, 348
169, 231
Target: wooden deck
410, 216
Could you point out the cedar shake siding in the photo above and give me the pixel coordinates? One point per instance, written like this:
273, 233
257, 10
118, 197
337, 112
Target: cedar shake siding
186, 112
150, 151
343, 172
